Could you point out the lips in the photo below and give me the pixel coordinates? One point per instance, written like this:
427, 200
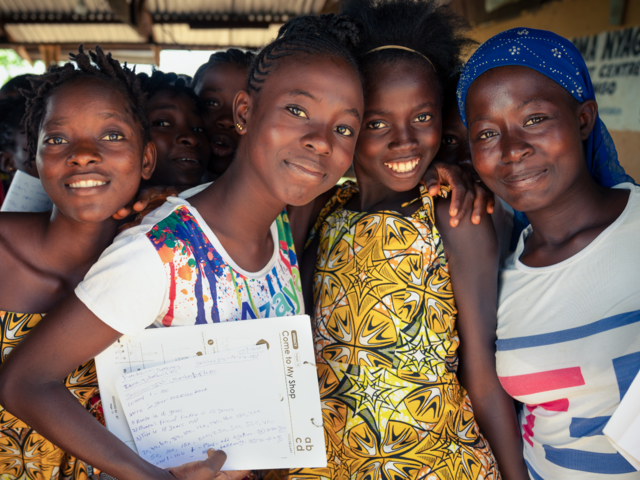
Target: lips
222, 145
87, 184
403, 166
188, 162
525, 180
305, 168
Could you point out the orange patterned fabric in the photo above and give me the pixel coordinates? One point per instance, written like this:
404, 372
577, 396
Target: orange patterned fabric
386, 350
25, 454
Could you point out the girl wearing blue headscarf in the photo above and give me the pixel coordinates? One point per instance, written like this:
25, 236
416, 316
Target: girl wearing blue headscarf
569, 304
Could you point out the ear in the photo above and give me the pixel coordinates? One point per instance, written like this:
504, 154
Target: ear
587, 113
241, 111
7, 163
149, 160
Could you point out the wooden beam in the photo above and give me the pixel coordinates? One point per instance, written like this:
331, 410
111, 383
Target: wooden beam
50, 54
22, 51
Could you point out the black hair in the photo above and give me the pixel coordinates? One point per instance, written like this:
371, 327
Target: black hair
425, 26
329, 34
451, 86
165, 81
231, 56
106, 69
11, 112
13, 86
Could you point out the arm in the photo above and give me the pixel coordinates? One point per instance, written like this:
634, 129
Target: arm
472, 256
32, 388
467, 195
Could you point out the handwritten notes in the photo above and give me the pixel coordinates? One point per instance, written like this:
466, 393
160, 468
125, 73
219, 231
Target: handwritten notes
26, 194
227, 401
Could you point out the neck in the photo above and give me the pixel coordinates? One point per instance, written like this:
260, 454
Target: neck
70, 246
583, 206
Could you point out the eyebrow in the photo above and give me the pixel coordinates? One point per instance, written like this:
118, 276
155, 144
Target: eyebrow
296, 93
531, 100
382, 113
210, 89
354, 113
62, 121
476, 120
166, 106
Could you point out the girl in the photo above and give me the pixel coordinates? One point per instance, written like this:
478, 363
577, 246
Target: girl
88, 134
387, 266
176, 129
228, 247
216, 83
568, 324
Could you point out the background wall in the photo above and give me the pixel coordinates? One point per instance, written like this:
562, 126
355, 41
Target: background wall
579, 18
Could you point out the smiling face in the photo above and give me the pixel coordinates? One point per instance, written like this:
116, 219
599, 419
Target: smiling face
526, 135
91, 154
217, 88
402, 124
177, 130
301, 128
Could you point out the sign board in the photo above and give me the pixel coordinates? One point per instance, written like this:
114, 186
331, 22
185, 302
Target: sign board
613, 59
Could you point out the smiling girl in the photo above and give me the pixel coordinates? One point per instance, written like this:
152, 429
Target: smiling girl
395, 283
569, 307
88, 134
228, 246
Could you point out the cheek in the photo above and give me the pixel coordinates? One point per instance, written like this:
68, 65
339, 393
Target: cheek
369, 147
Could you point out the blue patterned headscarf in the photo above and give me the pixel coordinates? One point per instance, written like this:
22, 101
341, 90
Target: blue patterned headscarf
556, 58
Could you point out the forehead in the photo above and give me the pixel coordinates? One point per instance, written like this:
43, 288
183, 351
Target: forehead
167, 97
386, 80
86, 95
222, 76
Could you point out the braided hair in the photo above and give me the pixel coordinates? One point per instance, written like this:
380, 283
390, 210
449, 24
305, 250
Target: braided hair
11, 112
330, 34
166, 81
104, 68
231, 56
425, 26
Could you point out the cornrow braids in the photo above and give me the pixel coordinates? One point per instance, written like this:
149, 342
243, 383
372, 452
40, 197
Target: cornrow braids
11, 112
169, 81
231, 56
425, 26
104, 68
329, 34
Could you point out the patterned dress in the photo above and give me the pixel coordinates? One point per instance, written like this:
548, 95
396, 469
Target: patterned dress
386, 346
25, 454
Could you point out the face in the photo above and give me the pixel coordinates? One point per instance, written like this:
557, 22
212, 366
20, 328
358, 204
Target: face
300, 130
454, 148
526, 135
17, 158
402, 125
177, 130
217, 88
91, 154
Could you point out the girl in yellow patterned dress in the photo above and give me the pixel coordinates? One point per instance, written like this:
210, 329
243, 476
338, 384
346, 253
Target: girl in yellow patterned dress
386, 320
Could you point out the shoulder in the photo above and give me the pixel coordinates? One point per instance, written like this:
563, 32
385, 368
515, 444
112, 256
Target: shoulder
18, 229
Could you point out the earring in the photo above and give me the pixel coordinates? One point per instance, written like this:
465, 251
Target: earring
240, 127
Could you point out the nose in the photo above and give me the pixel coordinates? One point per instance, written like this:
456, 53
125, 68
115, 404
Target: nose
318, 141
225, 121
403, 139
83, 155
188, 137
514, 148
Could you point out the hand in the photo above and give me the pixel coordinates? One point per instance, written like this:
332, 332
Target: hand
232, 475
466, 194
146, 196
202, 470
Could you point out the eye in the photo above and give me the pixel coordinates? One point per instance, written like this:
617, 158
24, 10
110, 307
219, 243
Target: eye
425, 117
297, 112
533, 121
342, 130
449, 140
55, 141
212, 103
161, 123
112, 137
376, 125
486, 135
198, 129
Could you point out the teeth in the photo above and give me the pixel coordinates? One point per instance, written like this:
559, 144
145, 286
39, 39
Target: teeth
187, 160
87, 184
403, 167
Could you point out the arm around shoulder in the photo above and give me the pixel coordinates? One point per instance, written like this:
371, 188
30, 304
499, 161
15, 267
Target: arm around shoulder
472, 256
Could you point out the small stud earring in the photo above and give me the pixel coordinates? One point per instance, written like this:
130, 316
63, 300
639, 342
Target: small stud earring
240, 127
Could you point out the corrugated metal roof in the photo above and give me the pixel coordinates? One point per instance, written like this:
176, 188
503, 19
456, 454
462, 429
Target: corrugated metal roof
7, 6
299, 7
181, 34
72, 33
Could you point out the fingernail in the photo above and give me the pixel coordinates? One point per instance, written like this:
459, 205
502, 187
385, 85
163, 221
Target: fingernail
453, 212
454, 222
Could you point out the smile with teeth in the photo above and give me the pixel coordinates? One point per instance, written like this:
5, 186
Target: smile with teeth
87, 184
186, 160
403, 167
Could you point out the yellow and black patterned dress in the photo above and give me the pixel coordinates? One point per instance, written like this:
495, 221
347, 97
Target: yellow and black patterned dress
24, 454
386, 351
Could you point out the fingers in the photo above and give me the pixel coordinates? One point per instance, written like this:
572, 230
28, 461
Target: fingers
432, 180
144, 197
215, 460
480, 204
465, 207
124, 212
